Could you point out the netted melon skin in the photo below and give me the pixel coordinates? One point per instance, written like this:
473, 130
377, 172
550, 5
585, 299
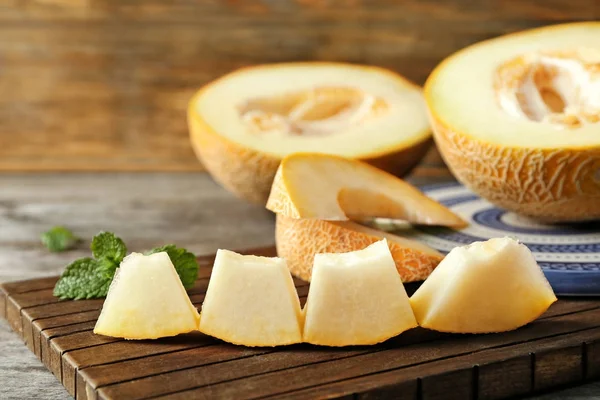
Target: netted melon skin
549, 185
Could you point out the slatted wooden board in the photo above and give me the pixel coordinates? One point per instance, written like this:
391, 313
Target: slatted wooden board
561, 348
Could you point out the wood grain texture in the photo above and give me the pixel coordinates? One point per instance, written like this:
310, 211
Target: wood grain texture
103, 85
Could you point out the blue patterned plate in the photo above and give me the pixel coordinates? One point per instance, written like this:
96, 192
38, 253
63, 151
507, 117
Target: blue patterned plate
568, 254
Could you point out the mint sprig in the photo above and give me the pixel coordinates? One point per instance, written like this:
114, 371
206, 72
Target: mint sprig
59, 239
185, 263
89, 278
83, 279
107, 246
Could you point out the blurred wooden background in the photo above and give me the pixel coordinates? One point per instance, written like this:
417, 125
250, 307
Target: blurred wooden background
103, 84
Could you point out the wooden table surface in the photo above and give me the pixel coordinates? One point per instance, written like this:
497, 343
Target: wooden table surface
102, 86
147, 210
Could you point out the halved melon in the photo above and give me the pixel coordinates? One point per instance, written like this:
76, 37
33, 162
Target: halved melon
491, 286
244, 123
356, 298
251, 301
146, 300
517, 119
299, 240
334, 188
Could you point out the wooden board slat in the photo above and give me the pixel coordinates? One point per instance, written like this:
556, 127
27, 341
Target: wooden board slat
562, 347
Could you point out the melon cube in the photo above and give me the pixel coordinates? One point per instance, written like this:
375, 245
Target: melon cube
356, 298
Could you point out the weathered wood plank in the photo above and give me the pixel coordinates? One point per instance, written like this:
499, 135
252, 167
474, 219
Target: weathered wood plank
89, 379
505, 379
393, 381
2, 303
226, 371
453, 348
122, 350
558, 367
29, 285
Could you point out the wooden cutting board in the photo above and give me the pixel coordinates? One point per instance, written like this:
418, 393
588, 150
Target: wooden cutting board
561, 348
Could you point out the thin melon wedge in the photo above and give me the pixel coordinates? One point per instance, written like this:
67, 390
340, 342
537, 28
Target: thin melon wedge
334, 188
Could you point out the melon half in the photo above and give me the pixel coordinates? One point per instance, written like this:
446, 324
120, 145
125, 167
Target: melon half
244, 123
517, 119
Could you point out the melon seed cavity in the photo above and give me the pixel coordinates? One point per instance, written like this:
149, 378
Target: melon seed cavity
562, 88
314, 112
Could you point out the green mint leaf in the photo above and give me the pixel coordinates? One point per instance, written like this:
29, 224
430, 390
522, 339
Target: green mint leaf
58, 239
83, 279
106, 245
185, 263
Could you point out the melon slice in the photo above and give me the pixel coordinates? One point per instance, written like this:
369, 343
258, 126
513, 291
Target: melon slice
299, 240
251, 301
334, 188
517, 120
244, 123
356, 298
146, 300
491, 286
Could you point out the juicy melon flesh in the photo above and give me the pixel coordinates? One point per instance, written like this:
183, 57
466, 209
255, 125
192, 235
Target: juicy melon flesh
244, 123
356, 298
463, 91
146, 300
299, 240
251, 301
491, 286
404, 121
516, 118
310, 185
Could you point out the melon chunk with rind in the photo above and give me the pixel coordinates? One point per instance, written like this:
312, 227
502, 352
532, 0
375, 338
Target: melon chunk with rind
491, 286
251, 301
298, 240
326, 187
146, 300
356, 298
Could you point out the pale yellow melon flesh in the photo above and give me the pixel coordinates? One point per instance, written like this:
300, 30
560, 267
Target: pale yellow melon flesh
299, 240
251, 301
533, 167
356, 298
334, 188
146, 300
245, 162
484, 287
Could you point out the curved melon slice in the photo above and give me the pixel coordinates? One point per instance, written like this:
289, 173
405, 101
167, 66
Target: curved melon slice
146, 300
299, 240
491, 286
356, 298
251, 301
517, 118
244, 123
334, 188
